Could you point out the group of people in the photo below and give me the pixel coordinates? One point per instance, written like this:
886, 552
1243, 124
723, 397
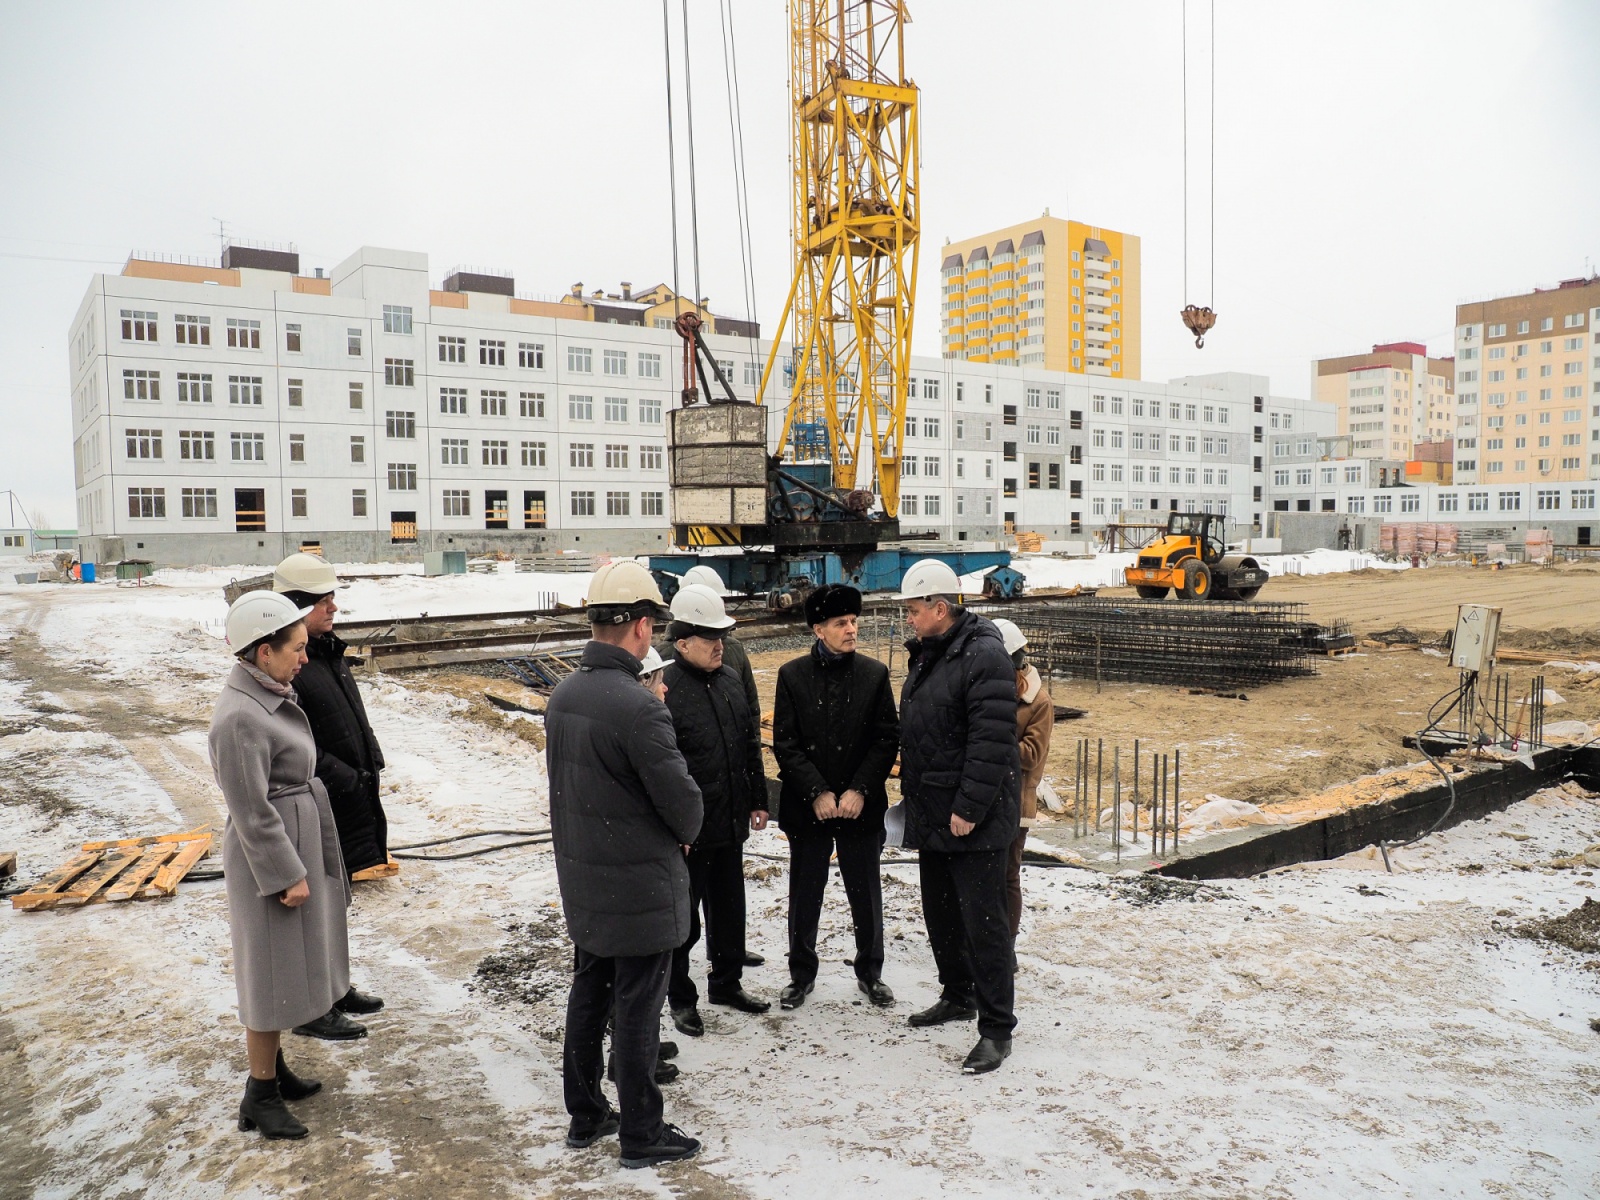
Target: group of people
655, 788
656, 781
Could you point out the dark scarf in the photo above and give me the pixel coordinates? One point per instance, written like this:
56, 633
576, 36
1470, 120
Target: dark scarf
827, 658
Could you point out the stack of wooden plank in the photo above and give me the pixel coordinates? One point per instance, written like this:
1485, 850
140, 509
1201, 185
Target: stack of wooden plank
132, 869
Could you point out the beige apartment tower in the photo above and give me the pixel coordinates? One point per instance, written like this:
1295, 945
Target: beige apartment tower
1528, 382
1390, 401
1049, 293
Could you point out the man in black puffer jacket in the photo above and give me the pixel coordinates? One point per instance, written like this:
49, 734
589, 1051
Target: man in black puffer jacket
722, 745
348, 755
622, 807
835, 737
960, 774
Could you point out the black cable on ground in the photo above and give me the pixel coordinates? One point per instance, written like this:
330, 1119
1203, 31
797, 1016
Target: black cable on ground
1460, 694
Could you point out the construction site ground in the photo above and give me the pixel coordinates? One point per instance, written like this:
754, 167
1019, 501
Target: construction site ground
1330, 1031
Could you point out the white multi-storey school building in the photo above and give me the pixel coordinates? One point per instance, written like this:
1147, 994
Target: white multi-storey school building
235, 413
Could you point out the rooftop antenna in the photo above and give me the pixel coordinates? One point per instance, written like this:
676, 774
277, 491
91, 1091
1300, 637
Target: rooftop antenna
222, 238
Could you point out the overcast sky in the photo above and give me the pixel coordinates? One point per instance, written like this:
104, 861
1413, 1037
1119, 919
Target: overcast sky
1376, 163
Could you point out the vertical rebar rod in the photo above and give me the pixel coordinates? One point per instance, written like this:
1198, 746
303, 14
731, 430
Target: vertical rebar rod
1099, 780
1177, 792
1159, 803
1078, 790
1116, 800
1135, 791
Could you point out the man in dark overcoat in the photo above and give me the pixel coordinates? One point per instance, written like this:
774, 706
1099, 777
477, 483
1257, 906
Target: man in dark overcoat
835, 737
349, 758
959, 774
622, 807
721, 742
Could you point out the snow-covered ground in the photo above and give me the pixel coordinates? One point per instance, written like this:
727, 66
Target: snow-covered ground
1325, 1032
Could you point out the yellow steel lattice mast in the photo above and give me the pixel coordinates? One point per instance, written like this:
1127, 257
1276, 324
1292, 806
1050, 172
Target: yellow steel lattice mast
856, 220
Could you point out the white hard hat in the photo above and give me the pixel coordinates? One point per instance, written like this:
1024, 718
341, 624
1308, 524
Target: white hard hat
696, 604
624, 582
1012, 636
308, 573
706, 577
256, 615
929, 577
650, 663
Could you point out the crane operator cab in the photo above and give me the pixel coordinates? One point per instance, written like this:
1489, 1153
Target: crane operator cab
1191, 556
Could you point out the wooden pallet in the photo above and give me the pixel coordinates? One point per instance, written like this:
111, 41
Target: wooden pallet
131, 869
387, 870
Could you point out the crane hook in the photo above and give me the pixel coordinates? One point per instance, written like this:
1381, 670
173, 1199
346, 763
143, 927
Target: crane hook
1199, 322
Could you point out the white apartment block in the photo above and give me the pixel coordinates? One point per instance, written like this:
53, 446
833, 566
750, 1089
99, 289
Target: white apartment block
231, 415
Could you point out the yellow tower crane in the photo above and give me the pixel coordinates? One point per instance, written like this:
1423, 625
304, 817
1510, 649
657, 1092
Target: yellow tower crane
856, 221
815, 498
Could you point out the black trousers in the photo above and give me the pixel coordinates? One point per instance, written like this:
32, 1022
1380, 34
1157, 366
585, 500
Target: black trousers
630, 990
809, 854
716, 883
964, 905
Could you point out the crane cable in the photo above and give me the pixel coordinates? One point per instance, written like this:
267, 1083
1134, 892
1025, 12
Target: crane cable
694, 209
672, 161
747, 275
1200, 320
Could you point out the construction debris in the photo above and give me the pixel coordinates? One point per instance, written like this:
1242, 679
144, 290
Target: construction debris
384, 870
1577, 930
140, 869
515, 698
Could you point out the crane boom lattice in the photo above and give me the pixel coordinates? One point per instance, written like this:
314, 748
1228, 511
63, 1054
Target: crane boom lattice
856, 220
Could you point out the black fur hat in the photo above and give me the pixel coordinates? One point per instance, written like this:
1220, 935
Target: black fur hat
832, 600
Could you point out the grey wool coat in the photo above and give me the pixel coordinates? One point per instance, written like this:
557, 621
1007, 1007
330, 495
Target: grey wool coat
289, 964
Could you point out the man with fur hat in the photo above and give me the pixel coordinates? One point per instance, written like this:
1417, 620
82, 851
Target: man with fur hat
835, 736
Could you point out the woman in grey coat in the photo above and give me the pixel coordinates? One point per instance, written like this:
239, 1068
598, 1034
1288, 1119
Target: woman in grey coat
287, 887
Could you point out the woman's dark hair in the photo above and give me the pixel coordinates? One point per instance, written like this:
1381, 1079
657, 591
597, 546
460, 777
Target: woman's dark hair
276, 640
1019, 658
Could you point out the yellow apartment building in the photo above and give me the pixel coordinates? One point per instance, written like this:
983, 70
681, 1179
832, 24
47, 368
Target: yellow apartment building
1050, 292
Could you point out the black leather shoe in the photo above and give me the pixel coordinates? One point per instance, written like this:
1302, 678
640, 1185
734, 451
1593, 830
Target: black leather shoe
988, 1054
687, 1020
794, 995
942, 1011
673, 1146
742, 1000
752, 959
291, 1086
359, 1003
580, 1136
668, 1050
876, 991
332, 1026
262, 1108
